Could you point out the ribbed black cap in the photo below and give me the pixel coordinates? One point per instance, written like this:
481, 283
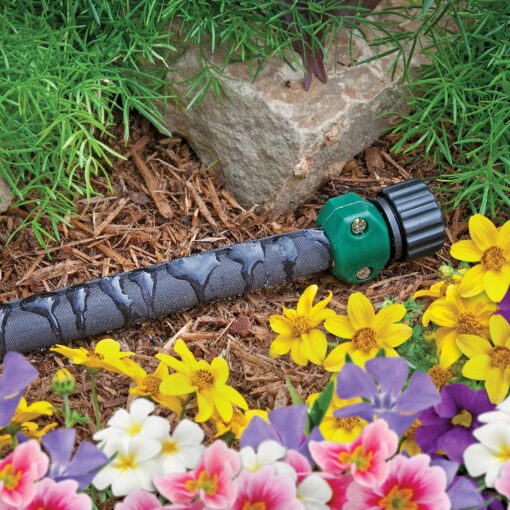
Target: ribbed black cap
414, 219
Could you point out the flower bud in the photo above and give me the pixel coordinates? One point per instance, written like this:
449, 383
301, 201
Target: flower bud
429, 336
446, 272
464, 265
63, 382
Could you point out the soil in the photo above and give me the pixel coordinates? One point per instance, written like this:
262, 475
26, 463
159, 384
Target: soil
134, 226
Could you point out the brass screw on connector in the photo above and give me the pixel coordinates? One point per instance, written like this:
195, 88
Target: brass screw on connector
358, 226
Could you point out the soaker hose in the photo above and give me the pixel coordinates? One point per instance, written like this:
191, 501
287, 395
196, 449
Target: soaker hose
355, 238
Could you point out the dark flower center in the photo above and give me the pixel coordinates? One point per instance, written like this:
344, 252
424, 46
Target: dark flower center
203, 379
464, 419
364, 340
493, 258
301, 325
468, 324
500, 357
152, 382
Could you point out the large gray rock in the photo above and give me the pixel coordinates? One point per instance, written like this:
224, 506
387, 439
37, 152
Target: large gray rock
275, 143
5, 195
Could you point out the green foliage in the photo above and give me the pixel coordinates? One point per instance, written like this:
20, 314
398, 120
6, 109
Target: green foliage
66, 66
294, 396
320, 407
460, 104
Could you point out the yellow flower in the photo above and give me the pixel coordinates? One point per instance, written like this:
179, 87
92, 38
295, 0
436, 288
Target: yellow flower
489, 362
438, 290
25, 413
367, 332
63, 382
29, 429
106, 355
297, 330
491, 247
340, 430
238, 422
149, 385
208, 381
458, 316
439, 376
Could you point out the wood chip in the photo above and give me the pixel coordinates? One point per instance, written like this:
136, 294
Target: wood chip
373, 159
153, 186
110, 252
401, 170
201, 205
111, 216
217, 204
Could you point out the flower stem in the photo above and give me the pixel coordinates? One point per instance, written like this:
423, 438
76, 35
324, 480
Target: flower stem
186, 402
94, 399
14, 440
67, 412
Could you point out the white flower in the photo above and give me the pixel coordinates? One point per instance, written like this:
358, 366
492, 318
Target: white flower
269, 452
136, 422
501, 413
134, 466
182, 449
489, 455
314, 492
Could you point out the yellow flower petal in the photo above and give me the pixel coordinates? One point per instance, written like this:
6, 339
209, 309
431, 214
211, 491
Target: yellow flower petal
304, 306
450, 353
183, 351
478, 367
360, 311
340, 326
497, 385
321, 304
496, 283
360, 358
223, 406
237, 399
76, 355
466, 251
388, 315
281, 345
289, 313
205, 407
297, 354
336, 358
482, 231
472, 345
443, 313
280, 325
320, 316
110, 348
499, 330
504, 238
176, 384
173, 363
168, 401
219, 368
394, 335
315, 346
472, 283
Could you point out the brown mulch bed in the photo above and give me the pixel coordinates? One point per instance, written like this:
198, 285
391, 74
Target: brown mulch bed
166, 204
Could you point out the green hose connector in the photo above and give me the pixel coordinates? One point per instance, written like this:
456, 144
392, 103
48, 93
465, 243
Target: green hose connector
359, 237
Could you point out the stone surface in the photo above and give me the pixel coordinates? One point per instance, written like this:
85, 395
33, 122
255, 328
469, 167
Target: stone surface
5, 195
275, 143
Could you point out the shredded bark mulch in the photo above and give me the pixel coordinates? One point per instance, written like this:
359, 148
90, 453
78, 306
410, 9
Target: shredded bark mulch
166, 204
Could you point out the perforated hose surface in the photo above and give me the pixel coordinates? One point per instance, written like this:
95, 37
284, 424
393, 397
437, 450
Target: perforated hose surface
109, 303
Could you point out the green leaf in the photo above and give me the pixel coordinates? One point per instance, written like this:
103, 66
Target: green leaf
296, 399
321, 405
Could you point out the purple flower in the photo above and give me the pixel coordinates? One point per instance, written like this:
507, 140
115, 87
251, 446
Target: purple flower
18, 373
86, 461
505, 307
380, 384
462, 490
287, 426
449, 425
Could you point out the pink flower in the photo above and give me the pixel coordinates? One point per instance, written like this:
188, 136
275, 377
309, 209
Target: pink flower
299, 463
411, 483
211, 480
502, 484
338, 484
263, 489
51, 495
365, 457
18, 472
143, 500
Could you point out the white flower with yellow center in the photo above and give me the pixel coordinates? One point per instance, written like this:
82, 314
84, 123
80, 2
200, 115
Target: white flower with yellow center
314, 492
134, 466
490, 454
183, 449
270, 453
136, 422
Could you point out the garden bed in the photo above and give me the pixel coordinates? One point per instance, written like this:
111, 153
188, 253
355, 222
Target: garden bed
194, 212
